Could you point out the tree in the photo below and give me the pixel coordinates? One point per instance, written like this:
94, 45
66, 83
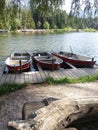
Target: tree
44, 9
90, 7
46, 25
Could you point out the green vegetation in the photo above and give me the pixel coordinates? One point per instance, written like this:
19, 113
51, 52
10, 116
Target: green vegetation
84, 79
10, 87
41, 14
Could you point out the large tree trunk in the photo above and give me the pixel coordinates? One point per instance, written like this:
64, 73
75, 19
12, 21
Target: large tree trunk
59, 114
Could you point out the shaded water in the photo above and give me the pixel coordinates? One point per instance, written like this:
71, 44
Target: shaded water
81, 43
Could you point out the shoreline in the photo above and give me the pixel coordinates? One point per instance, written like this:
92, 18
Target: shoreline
47, 31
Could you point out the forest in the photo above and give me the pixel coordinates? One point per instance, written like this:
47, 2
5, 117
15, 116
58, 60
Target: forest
43, 15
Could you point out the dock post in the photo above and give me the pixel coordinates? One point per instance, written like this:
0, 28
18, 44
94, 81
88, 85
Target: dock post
20, 66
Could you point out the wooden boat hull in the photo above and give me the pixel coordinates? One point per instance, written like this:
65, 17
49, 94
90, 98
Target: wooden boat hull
18, 62
77, 63
14, 68
47, 64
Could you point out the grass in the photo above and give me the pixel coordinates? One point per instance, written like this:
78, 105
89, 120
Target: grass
84, 79
10, 87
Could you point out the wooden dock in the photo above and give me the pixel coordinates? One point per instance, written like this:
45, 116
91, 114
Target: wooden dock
40, 76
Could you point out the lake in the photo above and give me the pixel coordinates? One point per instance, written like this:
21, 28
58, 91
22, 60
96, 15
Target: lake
81, 43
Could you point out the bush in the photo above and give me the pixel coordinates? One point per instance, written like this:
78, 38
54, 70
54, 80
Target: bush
46, 25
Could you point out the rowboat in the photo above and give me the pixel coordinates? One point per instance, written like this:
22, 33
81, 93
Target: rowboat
48, 62
75, 59
18, 62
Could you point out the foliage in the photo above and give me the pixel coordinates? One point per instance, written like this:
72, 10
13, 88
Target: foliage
88, 7
11, 87
84, 79
46, 25
47, 15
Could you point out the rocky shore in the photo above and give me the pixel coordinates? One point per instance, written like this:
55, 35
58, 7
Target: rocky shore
11, 105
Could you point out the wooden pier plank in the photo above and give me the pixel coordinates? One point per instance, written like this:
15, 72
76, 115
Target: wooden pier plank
61, 73
22, 80
69, 73
90, 71
66, 74
8, 78
41, 75
3, 79
40, 80
12, 78
18, 78
1, 71
46, 73
77, 73
26, 76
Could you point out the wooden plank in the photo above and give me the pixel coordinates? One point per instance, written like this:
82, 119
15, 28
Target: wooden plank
39, 77
43, 76
65, 73
26, 76
1, 71
83, 72
12, 78
51, 74
30, 77
8, 78
72, 66
57, 74
3, 79
46, 73
61, 75
70, 74
76, 73
73, 73
39, 67
22, 80
18, 78
90, 71
35, 76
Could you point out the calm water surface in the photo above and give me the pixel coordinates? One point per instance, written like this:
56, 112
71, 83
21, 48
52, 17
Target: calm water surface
81, 43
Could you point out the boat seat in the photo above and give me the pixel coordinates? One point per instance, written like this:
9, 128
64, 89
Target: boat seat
20, 58
51, 60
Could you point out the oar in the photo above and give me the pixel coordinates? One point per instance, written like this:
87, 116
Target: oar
71, 49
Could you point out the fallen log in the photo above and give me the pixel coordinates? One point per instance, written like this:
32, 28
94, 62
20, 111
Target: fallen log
29, 108
59, 114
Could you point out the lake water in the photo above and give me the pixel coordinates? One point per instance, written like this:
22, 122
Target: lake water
80, 42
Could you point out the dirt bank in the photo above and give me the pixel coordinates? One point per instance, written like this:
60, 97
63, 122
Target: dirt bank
11, 104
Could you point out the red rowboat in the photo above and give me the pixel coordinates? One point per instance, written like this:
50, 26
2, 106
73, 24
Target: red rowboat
48, 62
18, 62
75, 59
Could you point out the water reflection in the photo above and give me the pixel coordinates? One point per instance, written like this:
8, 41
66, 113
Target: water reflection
81, 43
